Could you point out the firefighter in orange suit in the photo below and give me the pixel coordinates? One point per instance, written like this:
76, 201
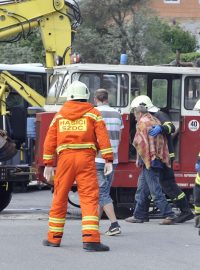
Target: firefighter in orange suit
76, 133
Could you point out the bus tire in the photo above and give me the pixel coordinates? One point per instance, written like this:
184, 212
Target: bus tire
122, 212
5, 195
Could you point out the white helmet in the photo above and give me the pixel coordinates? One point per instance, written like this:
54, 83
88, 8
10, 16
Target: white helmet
197, 106
145, 101
77, 90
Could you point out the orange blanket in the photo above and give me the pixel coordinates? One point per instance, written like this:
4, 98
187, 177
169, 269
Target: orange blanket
148, 147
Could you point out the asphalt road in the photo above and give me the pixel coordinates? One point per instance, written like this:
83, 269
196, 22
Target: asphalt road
148, 246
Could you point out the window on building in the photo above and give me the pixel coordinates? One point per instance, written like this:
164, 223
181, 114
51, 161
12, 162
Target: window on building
172, 1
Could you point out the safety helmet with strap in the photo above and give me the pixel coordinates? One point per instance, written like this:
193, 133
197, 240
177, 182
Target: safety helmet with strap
77, 90
145, 101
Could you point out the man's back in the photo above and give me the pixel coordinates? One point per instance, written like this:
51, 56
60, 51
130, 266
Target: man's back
114, 125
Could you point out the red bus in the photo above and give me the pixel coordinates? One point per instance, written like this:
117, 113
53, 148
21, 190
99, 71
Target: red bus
174, 90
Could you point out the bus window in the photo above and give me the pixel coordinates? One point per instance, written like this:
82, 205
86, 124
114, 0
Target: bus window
62, 96
20, 76
110, 84
176, 94
93, 82
14, 100
174, 114
35, 82
124, 93
191, 92
115, 84
55, 88
138, 85
159, 92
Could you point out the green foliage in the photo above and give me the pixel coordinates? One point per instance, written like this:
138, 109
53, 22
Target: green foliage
117, 26
102, 36
110, 28
177, 38
145, 34
190, 57
23, 51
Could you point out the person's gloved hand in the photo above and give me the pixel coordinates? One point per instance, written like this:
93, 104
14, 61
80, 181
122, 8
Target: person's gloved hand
155, 130
197, 166
48, 173
108, 168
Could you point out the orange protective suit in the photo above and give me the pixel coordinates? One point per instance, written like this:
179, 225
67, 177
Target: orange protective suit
75, 133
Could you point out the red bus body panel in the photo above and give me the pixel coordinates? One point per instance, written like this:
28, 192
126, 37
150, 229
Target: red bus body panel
126, 174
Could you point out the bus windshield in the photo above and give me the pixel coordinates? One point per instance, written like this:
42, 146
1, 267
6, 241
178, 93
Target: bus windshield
57, 90
117, 86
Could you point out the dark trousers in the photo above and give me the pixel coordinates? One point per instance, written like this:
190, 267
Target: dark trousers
197, 199
171, 189
148, 184
168, 183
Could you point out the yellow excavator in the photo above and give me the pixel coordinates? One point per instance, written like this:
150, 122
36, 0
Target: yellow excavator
57, 21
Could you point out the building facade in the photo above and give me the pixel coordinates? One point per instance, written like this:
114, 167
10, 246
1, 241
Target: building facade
184, 12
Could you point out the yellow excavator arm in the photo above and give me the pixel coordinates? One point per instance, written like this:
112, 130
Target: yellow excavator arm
30, 95
52, 17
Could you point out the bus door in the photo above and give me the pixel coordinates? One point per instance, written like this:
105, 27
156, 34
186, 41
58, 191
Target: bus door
165, 92
190, 130
138, 87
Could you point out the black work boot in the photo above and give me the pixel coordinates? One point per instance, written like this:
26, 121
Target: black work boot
186, 212
184, 216
197, 221
49, 244
91, 246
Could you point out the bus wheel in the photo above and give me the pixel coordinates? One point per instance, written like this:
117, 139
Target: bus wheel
73, 199
5, 195
122, 212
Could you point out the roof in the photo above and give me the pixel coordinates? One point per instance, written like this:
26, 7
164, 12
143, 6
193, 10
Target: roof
31, 67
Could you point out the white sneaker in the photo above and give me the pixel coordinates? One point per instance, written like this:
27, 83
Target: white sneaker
113, 231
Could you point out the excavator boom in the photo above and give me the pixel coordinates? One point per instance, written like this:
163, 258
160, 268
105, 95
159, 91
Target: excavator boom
52, 17
30, 95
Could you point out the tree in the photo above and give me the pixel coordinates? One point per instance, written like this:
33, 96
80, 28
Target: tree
111, 27
115, 26
107, 21
24, 51
177, 38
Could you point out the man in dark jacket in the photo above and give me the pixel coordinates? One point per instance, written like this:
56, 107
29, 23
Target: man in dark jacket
167, 179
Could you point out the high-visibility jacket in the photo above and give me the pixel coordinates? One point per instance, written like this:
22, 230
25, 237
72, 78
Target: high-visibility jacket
197, 195
167, 129
78, 125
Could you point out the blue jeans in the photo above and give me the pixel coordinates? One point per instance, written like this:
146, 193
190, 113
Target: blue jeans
105, 183
148, 184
